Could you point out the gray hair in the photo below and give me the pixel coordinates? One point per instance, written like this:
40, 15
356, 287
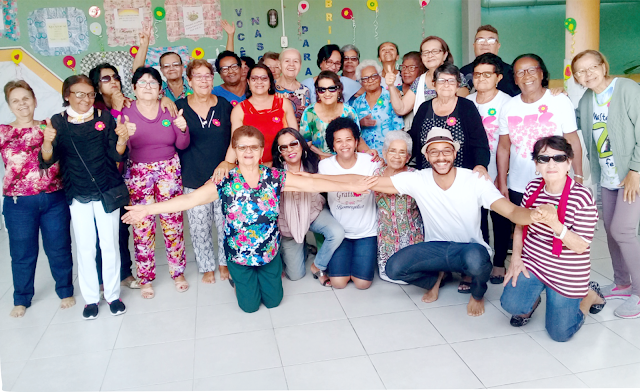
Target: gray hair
397, 135
368, 63
350, 47
290, 50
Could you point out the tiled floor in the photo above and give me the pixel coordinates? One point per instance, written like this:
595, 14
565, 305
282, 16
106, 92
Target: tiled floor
318, 338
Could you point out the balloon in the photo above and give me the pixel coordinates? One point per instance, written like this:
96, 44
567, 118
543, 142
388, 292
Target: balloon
134, 50
372, 4
303, 7
347, 13
69, 62
567, 72
16, 56
159, 13
424, 3
96, 28
197, 53
570, 24
94, 11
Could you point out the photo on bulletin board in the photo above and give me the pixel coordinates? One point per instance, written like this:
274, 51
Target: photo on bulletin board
124, 19
122, 60
193, 19
58, 31
9, 27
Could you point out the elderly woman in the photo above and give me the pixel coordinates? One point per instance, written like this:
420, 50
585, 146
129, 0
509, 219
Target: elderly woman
272, 60
374, 109
33, 202
351, 59
208, 118
399, 220
301, 212
552, 254
487, 73
609, 116
435, 53
153, 175
411, 68
286, 83
330, 58
87, 143
251, 198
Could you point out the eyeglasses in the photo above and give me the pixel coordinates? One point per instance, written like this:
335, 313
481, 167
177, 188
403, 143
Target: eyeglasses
590, 69
427, 53
145, 84
331, 89
285, 147
400, 153
450, 82
490, 41
253, 147
81, 95
232, 67
172, 65
447, 152
371, 78
333, 63
107, 78
409, 68
259, 78
205, 77
350, 58
556, 158
531, 71
485, 75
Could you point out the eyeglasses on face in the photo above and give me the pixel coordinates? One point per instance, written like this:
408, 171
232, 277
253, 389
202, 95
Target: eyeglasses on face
232, 68
353, 59
333, 63
433, 153
172, 65
490, 41
259, 78
145, 84
399, 153
82, 95
590, 70
485, 75
409, 68
107, 78
205, 77
331, 89
556, 158
285, 147
434, 52
450, 82
243, 147
531, 71
370, 78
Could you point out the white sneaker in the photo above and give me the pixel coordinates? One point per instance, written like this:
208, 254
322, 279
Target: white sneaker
630, 308
612, 292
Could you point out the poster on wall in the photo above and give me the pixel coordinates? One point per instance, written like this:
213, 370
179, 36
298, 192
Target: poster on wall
124, 19
193, 19
58, 31
9, 20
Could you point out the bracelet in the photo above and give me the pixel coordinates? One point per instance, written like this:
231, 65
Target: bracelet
563, 233
49, 151
578, 176
121, 144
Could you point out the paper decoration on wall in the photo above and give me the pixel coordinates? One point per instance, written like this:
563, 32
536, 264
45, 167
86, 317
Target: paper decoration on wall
9, 20
423, 5
303, 7
134, 51
94, 11
124, 20
153, 54
96, 28
122, 60
570, 24
58, 31
372, 4
179, 24
16, 56
70, 62
159, 13
272, 18
347, 13
197, 53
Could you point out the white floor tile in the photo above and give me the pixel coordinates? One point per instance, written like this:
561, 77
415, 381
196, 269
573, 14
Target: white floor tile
448, 296
606, 314
305, 285
308, 343
341, 374
381, 297
10, 373
225, 319
602, 266
6, 288
494, 291
396, 331
70, 373
216, 293
592, 347
152, 364
157, 327
599, 250
263, 380
74, 314
307, 308
508, 359
629, 330
38, 314
627, 376
18, 344
237, 353
569, 381
172, 386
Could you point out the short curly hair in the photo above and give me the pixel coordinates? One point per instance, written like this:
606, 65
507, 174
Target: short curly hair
339, 124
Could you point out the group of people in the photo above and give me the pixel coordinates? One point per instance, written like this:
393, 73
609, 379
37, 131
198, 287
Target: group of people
394, 170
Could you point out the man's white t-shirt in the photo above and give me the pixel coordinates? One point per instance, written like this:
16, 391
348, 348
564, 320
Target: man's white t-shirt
451, 215
490, 112
526, 123
356, 212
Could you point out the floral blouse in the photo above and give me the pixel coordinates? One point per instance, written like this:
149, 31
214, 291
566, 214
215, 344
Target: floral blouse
399, 222
23, 177
386, 119
313, 129
300, 98
251, 230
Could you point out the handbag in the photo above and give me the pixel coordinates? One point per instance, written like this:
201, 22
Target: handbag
113, 199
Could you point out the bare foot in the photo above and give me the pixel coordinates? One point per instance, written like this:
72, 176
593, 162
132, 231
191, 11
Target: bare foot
224, 272
475, 307
68, 302
18, 311
146, 290
432, 295
181, 284
209, 277
591, 299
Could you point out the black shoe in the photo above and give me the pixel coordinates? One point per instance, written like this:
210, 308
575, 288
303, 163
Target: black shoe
595, 309
117, 307
90, 312
523, 319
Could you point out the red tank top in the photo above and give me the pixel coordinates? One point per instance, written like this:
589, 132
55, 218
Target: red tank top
268, 121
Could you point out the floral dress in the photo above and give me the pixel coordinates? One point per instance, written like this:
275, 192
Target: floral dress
300, 98
314, 130
251, 230
399, 222
386, 119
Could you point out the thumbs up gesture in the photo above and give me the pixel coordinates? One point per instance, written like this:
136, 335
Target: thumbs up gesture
390, 78
49, 133
180, 122
121, 131
131, 127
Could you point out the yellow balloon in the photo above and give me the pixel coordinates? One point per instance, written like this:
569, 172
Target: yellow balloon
372, 4
16, 56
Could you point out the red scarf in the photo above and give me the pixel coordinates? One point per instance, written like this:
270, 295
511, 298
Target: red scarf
562, 209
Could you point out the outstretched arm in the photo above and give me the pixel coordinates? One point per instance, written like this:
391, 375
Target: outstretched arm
517, 215
145, 36
358, 184
230, 29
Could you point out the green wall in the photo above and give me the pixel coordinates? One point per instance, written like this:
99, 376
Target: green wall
540, 30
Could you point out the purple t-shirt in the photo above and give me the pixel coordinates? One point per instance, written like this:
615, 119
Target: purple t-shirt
154, 140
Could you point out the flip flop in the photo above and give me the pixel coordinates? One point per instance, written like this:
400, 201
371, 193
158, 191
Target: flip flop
147, 290
464, 287
180, 285
496, 279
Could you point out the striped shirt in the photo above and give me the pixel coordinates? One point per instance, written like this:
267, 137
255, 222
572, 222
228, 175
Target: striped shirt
567, 274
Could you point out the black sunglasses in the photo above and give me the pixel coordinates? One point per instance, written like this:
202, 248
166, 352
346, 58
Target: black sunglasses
107, 78
556, 158
331, 89
285, 147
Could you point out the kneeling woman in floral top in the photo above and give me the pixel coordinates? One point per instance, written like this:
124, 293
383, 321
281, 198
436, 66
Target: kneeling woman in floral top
251, 203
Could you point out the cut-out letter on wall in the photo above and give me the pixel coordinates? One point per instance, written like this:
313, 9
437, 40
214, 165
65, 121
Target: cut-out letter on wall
260, 46
304, 29
328, 3
307, 57
258, 34
239, 24
307, 72
305, 44
242, 52
255, 21
241, 37
329, 17
239, 11
329, 29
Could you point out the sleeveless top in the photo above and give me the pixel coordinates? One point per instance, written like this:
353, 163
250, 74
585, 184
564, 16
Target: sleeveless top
268, 121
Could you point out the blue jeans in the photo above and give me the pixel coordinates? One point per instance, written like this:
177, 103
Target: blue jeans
419, 264
25, 218
294, 254
564, 317
357, 258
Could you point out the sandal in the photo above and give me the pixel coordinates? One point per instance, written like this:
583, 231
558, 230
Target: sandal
446, 278
464, 287
496, 279
320, 273
595, 309
181, 286
232, 283
147, 292
520, 320
133, 284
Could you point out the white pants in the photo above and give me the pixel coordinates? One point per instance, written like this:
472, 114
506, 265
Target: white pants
85, 217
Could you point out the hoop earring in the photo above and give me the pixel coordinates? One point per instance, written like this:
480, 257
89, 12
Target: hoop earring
305, 155
537, 173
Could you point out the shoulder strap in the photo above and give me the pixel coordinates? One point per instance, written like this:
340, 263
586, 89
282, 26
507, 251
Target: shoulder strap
66, 123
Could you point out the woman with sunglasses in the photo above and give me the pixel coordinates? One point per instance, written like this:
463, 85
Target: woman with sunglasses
87, 142
153, 175
609, 116
330, 58
251, 197
552, 254
302, 211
